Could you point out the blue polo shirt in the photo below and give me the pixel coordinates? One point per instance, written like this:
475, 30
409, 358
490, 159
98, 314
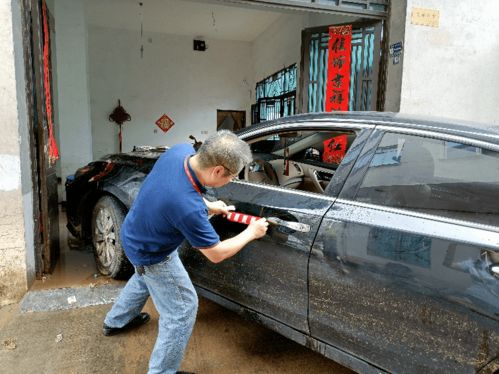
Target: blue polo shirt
168, 209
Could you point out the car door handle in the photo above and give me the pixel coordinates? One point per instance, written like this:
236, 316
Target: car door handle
297, 226
247, 219
494, 269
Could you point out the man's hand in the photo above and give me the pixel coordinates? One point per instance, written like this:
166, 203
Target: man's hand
229, 247
258, 228
218, 207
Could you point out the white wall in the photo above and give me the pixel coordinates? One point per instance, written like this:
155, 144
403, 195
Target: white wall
189, 86
16, 218
74, 126
278, 46
453, 70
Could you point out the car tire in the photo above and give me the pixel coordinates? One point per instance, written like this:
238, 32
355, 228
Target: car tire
107, 217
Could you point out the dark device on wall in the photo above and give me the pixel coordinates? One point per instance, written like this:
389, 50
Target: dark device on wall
199, 45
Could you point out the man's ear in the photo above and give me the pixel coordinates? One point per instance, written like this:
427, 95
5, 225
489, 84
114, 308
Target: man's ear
219, 170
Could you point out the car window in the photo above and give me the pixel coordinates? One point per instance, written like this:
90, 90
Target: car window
434, 176
303, 160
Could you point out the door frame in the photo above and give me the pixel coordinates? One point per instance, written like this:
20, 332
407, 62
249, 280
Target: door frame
43, 172
378, 75
231, 111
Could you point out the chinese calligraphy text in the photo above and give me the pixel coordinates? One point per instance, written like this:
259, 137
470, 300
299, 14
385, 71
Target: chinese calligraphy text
338, 70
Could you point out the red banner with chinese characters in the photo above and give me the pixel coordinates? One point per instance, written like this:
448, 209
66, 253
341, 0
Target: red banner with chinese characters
335, 149
52, 145
338, 68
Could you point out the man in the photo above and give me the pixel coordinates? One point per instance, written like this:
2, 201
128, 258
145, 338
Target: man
168, 209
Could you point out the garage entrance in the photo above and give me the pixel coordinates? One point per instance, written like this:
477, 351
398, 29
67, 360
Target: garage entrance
190, 61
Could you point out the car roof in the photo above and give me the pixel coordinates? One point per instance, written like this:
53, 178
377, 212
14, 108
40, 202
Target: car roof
476, 130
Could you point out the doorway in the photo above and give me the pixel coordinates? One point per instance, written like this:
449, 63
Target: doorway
366, 64
232, 120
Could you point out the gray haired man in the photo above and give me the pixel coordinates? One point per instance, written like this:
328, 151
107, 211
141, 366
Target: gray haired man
168, 209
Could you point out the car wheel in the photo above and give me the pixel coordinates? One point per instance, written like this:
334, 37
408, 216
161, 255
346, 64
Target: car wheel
107, 216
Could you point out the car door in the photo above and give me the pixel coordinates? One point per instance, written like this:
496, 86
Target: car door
270, 275
400, 272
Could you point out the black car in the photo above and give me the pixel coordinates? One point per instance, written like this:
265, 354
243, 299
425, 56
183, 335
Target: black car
394, 266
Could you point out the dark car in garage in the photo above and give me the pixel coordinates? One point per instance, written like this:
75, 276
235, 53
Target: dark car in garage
397, 267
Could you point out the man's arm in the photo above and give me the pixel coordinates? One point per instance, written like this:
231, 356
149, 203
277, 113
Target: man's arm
229, 247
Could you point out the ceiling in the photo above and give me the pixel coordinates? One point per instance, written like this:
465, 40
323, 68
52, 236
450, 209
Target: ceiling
206, 19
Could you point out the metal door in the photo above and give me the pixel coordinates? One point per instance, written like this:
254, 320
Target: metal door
270, 274
364, 67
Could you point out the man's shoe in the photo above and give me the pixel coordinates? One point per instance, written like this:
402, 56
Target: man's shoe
136, 322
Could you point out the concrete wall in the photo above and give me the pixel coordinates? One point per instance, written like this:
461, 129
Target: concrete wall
453, 70
16, 216
189, 86
396, 34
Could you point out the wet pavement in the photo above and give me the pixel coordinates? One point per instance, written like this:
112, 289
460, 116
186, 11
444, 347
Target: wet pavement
57, 329
70, 341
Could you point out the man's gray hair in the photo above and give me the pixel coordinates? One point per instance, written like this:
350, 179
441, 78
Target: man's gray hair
225, 149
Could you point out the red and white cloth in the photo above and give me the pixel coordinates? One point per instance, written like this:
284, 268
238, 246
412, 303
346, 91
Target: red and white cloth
241, 218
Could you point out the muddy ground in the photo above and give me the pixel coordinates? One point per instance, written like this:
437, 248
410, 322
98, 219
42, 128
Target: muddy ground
70, 341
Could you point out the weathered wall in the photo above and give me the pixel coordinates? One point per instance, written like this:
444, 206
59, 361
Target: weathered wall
16, 224
453, 70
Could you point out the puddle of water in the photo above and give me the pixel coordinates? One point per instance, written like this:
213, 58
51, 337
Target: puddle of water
75, 266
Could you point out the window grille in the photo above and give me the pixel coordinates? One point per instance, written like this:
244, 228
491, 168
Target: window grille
275, 96
365, 60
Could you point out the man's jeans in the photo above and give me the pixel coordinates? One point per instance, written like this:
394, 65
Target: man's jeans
176, 301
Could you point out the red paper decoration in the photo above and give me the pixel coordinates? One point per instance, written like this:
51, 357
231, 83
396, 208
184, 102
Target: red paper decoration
335, 149
338, 69
52, 146
165, 123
